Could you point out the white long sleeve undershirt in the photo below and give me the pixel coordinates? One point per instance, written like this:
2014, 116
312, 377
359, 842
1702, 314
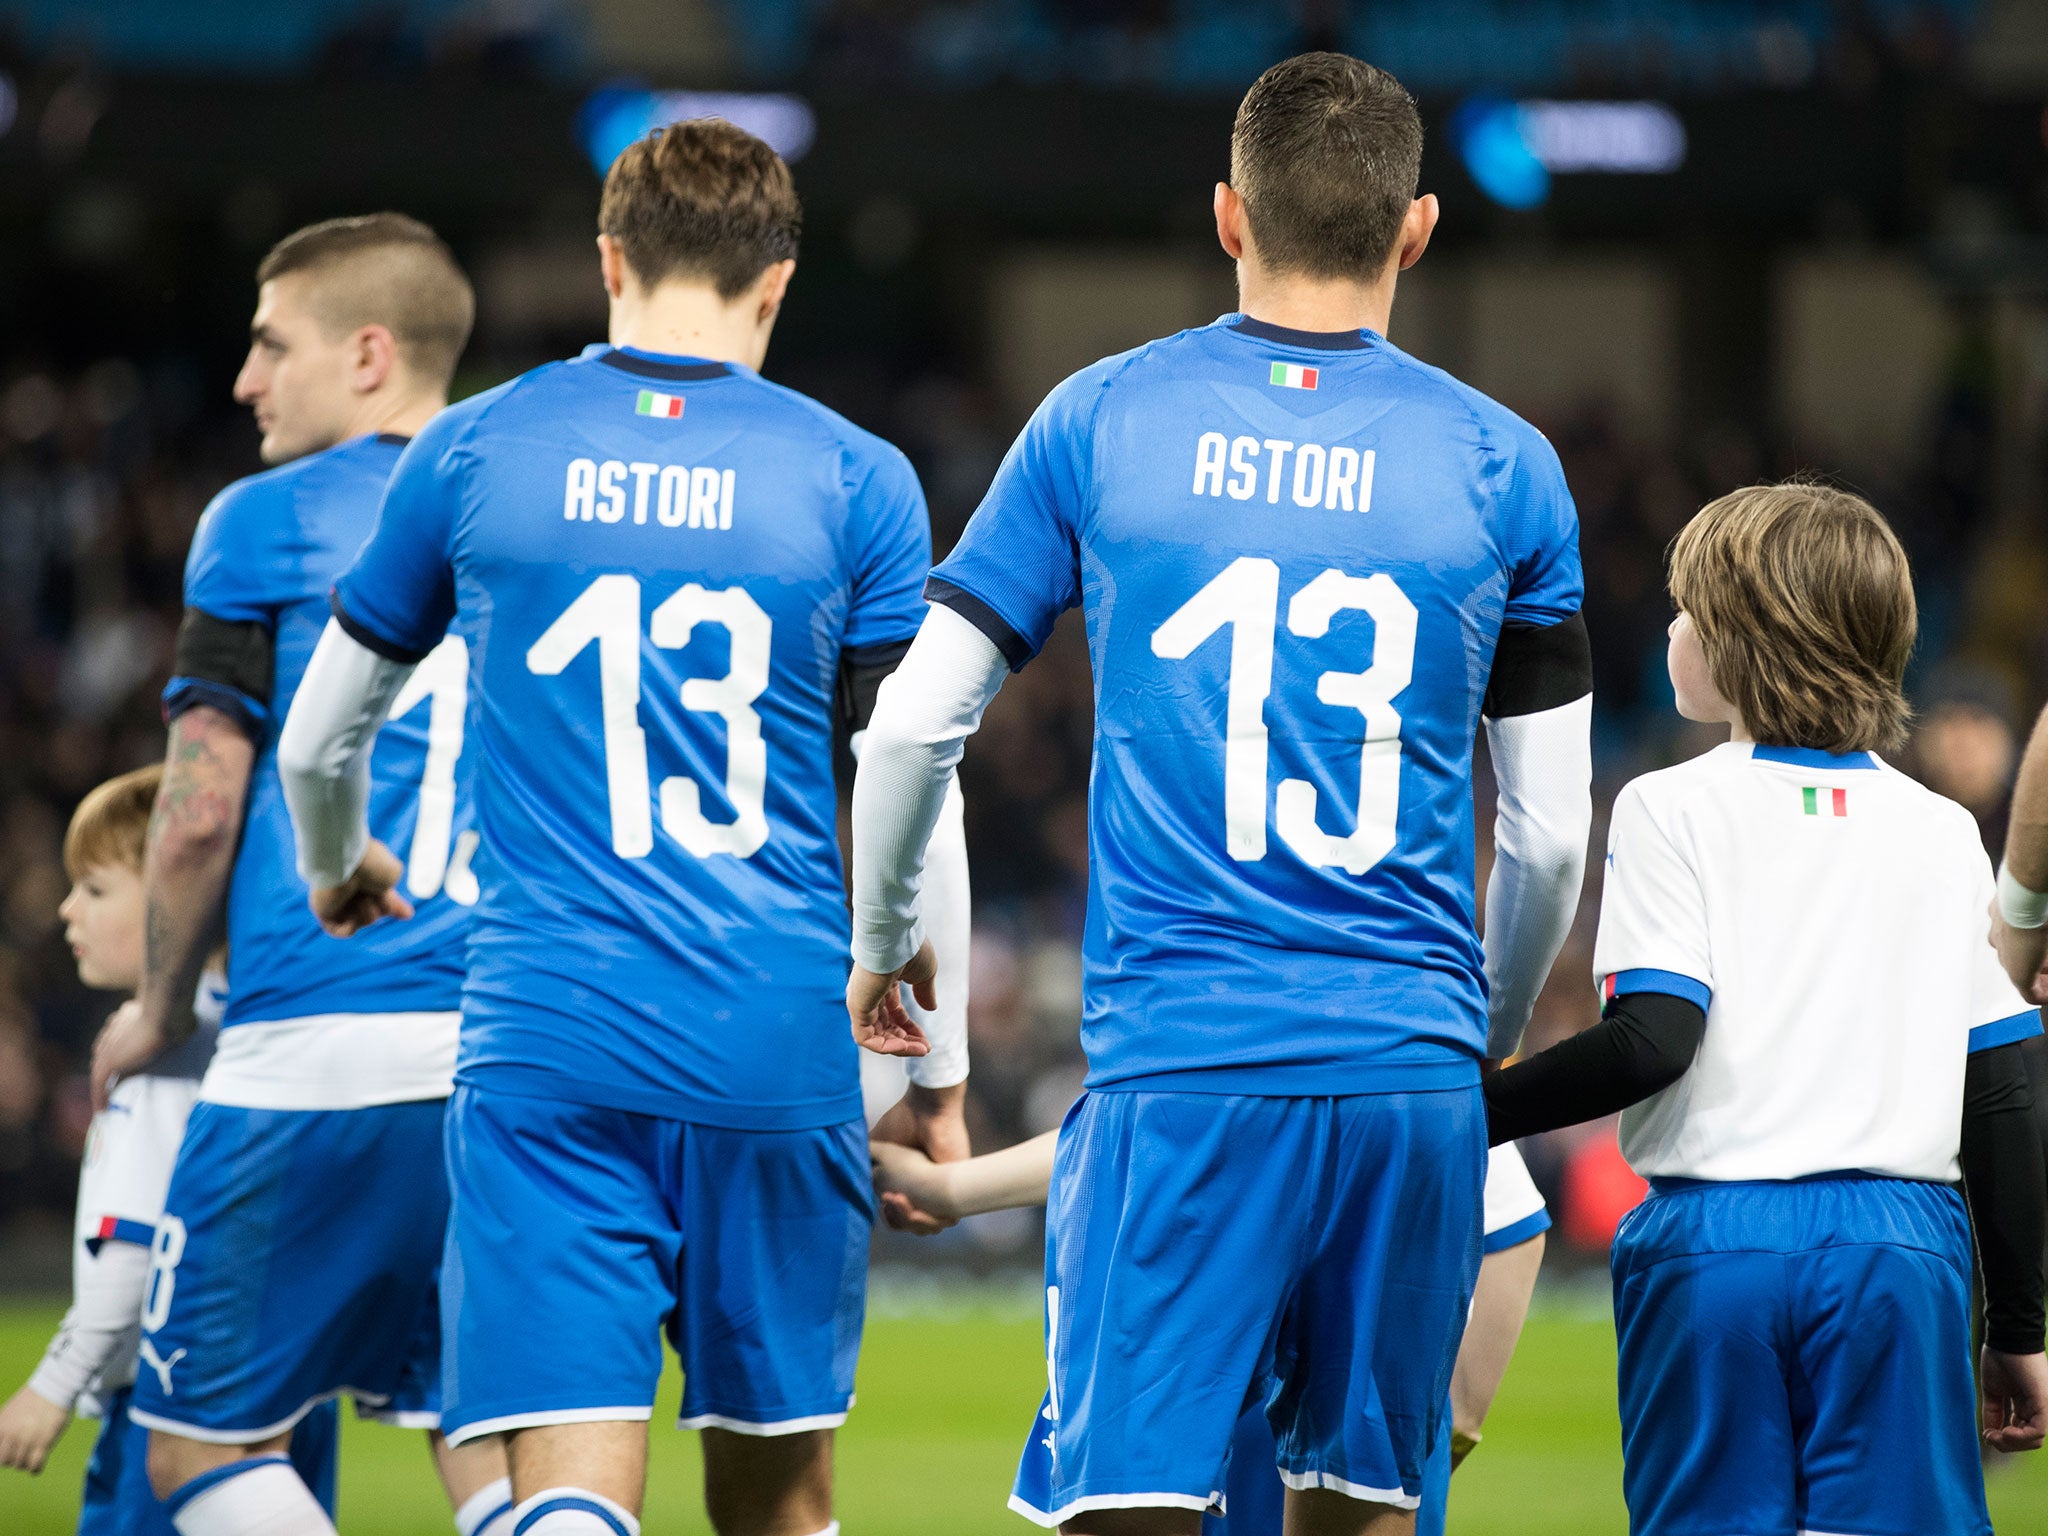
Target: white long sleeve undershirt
1543, 765
323, 756
908, 883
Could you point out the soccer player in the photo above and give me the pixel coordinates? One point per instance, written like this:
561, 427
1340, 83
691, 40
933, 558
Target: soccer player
1310, 565
1792, 944
301, 1238
90, 1364
680, 577
919, 1194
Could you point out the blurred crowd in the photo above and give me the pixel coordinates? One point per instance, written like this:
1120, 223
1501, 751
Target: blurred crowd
104, 472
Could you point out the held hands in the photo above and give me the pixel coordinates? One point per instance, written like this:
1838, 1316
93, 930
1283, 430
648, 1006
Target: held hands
2015, 1401
364, 897
130, 1040
928, 1126
875, 1003
30, 1427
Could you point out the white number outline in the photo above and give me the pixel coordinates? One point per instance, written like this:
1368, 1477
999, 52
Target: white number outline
436, 859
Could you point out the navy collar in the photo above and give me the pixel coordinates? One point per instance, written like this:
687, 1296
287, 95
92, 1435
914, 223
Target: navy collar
1321, 341
649, 367
395, 439
1812, 757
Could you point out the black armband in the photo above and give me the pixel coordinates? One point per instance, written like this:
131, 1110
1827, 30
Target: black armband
1538, 667
227, 664
1643, 1043
2004, 1182
860, 680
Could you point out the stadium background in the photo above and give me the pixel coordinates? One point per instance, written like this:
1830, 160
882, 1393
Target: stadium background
1698, 242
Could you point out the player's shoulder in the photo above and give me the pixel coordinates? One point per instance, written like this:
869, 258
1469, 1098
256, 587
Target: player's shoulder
248, 517
1665, 795
865, 457
1948, 820
453, 425
1428, 384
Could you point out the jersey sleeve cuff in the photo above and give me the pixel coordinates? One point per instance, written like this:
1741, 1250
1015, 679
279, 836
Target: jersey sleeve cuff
250, 717
1670, 983
1016, 650
1515, 1233
2006, 1031
883, 947
368, 638
120, 1229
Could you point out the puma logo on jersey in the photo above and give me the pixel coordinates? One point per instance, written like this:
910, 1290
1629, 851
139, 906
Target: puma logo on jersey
676, 495
160, 1365
1326, 477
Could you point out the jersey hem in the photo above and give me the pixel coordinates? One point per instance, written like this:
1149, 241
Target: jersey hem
1323, 1080
334, 1061
723, 1114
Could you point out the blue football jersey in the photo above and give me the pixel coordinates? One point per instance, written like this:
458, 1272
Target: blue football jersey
267, 551
664, 563
1295, 553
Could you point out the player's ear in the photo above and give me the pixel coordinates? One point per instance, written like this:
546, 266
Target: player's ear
772, 286
611, 265
375, 358
1416, 227
1230, 225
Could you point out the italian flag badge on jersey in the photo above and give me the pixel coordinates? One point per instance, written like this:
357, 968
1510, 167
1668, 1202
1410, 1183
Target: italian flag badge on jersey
1826, 802
1292, 376
654, 403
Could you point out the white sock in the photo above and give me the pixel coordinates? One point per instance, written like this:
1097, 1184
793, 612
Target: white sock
259, 1496
487, 1512
572, 1512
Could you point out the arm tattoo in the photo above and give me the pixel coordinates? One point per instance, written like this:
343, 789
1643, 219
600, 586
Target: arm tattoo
193, 834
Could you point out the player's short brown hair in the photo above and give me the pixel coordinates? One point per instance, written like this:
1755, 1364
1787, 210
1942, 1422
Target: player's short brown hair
701, 199
1804, 605
384, 269
1326, 154
111, 824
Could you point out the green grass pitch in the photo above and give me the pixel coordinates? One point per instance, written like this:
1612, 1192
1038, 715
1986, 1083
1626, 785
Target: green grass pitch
944, 1403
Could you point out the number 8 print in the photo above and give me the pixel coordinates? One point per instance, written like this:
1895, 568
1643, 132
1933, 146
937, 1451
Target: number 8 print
165, 1249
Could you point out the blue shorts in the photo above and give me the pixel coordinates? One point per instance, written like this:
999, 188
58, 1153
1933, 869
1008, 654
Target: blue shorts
297, 1259
1316, 1255
1796, 1357
750, 1248
118, 1500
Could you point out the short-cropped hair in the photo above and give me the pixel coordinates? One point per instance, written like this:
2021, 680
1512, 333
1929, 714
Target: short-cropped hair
111, 824
383, 269
1804, 605
1327, 153
701, 199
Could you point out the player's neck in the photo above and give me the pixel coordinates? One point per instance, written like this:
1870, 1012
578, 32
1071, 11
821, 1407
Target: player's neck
1299, 303
690, 320
400, 415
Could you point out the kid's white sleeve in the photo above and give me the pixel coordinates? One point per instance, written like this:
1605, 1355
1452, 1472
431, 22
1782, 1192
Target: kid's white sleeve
1653, 913
1513, 1207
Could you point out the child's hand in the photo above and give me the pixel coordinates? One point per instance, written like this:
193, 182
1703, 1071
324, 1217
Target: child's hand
915, 1193
30, 1425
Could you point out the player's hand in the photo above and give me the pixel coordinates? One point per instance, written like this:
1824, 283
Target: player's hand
931, 1121
875, 1004
364, 897
30, 1426
2015, 1401
911, 1188
2023, 952
129, 1041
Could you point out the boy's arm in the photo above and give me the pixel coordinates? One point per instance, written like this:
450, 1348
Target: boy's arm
1643, 1043
104, 1315
1500, 1305
190, 854
2007, 1188
911, 1184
